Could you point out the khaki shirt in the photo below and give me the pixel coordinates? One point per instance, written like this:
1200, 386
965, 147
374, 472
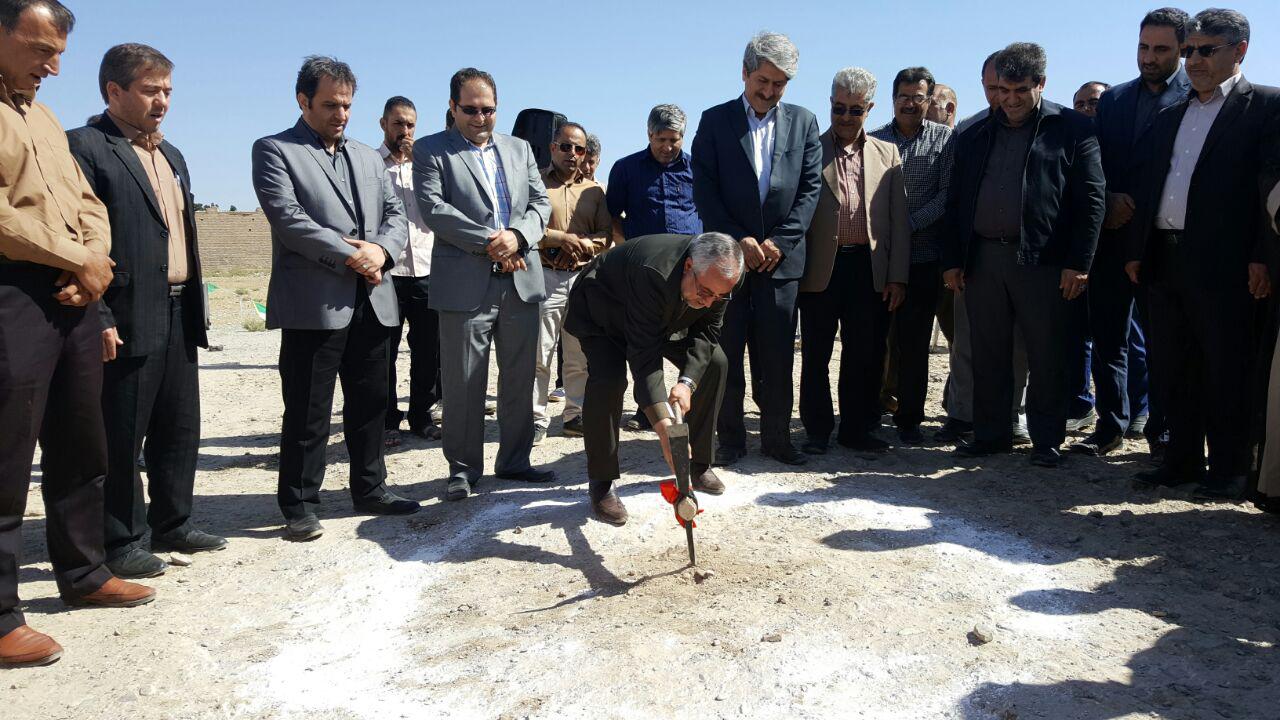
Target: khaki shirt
577, 208
48, 212
167, 188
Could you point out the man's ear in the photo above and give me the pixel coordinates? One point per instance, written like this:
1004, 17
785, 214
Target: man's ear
302, 102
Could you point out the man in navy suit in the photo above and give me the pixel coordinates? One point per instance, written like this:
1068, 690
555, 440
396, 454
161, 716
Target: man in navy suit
757, 171
1117, 309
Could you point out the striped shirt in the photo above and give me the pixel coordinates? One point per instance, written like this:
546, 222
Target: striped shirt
926, 171
852, 227
491, 163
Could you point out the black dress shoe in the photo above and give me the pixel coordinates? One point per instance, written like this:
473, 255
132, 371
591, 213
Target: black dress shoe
726, 455
785, 453
531, 475
976, 449
1046, 458
188, 541
1222, 489
910, 435
573, 428
1158, 448
1267, 504
864, 443
304, 529
137, 563
813, 446
1096, 445
1166, 476
459, 489
638, 422
953, 431
430, 431
387, 504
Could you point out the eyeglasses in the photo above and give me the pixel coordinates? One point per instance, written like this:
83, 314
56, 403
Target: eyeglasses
853, 110
566, 147
706, 294
916, 99
473, 110
1204, 51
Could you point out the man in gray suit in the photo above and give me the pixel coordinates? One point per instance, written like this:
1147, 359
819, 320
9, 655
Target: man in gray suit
481, 194
336, 228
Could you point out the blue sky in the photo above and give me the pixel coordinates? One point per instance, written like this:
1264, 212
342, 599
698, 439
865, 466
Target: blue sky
603, 64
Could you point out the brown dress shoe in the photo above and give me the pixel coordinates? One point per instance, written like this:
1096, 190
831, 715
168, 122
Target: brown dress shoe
25, 647
114, 593
608, 507
708, 483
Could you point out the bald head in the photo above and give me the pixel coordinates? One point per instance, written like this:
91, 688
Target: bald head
943, 105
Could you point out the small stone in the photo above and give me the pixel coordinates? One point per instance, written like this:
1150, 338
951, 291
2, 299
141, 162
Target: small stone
561, 594
147, 691
715, 643
115, 633
215, 348
826, 602
701, 576
1159, 613
782, 600
772, 637
517, 531
719, 698
1095, 514
981, 635
179, 559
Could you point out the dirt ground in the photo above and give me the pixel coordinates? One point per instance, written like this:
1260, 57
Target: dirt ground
849, 589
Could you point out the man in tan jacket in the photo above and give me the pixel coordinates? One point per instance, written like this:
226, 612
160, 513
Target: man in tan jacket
858, 259
54, 268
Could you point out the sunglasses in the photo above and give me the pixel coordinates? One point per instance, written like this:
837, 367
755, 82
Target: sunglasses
566, 147
1204, 51
473, 110
853, 110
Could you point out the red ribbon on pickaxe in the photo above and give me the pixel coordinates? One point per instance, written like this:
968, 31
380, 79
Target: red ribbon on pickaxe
672, 495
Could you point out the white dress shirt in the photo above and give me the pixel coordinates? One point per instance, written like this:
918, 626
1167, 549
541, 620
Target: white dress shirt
763, 135
415, 260
1187, 146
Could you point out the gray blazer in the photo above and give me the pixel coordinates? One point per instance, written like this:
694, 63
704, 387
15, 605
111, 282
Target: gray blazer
311, 213
453, 197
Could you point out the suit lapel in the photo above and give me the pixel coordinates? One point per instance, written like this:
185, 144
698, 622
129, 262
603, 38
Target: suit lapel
829, 163
782, 122
325, 162
463, 147
738, 123
124, 150
873, 166
1232, 107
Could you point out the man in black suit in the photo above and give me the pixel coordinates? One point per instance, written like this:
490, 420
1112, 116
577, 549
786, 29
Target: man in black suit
624, 308
1023, 215
153, 316
757, 170
1199, 239
1117, 310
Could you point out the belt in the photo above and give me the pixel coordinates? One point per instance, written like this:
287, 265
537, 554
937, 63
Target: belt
854, 247
495, 271
1002, 240
177, 290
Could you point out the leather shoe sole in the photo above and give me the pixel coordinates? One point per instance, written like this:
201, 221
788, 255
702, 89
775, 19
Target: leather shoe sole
114, 593
308, 528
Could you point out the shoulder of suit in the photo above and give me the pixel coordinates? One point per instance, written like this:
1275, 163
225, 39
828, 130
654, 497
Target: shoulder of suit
800, 112
1117, 90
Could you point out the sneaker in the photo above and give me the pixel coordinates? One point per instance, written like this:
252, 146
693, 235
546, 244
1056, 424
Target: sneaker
1080, 423
556, 395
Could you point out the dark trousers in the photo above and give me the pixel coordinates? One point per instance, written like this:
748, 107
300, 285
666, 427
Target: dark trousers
310, 361
156, 397
761, 317
852, 304
50, 391
602, 403
911, 333
999, 295
1119, 352
1079, 352
424, 354
1199, 340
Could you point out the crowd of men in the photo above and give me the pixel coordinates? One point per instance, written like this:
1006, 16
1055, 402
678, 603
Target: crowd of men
1104, 266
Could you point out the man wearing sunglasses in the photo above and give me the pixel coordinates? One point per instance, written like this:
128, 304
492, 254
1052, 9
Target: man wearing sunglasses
625, 309
858, 262
578, 230
756, 176
1199, 245
1117, 308
480, 192
1023, 214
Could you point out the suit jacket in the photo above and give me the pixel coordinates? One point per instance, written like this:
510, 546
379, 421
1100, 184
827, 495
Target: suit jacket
452, 194
137, 303
1269, 179
631, 294
727, 194
888, 217
1064, 192
1226, 223
312, 213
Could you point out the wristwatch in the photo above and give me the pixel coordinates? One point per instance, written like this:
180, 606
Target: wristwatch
693, 386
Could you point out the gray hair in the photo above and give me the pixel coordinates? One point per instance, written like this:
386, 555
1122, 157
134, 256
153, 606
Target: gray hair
667, 117
1218, 22
856, 81
593, 145
714, 249
775, 48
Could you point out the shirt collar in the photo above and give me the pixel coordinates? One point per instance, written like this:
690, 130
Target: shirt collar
857, 144
673, 165
385, 152
340, 145
550, 178
146, 141
17, 98
751, 112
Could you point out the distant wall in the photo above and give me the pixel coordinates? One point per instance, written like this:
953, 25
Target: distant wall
233, 241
